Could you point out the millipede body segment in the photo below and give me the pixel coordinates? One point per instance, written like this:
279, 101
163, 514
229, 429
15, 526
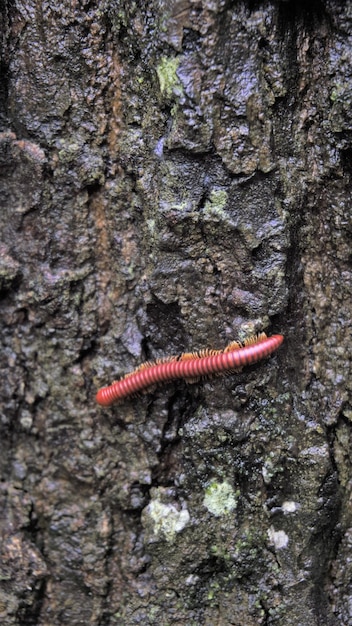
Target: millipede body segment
190, 366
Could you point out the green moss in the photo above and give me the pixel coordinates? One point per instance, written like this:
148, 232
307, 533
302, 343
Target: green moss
214, 589
168, 79
220, 552
220, 498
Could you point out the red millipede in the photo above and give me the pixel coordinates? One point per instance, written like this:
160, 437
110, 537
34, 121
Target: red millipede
190, 366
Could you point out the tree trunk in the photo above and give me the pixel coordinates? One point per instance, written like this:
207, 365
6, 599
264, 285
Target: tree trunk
175, 175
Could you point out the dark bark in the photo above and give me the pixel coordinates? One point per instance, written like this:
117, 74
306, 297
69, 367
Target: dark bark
175, 175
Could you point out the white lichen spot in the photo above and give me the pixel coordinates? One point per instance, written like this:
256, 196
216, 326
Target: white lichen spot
316, 451
289, 506
167, 519
278, 538
220, 498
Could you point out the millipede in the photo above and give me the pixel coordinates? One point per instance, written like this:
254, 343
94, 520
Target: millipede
191, 366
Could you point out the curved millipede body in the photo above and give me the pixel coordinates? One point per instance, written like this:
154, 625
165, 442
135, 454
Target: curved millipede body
190, 366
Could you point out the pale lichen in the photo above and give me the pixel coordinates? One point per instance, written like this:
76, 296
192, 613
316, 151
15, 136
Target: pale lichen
278, 538
166, 519
214, 206
220, 498
168, 79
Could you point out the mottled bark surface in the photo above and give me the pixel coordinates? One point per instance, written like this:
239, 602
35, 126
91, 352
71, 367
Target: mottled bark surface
175, 175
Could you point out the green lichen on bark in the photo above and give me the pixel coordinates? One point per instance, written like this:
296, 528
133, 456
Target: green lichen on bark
219, 498
167, 75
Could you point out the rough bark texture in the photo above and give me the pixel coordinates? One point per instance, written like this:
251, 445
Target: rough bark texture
175, 175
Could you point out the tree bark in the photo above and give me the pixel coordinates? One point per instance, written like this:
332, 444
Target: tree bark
175, 176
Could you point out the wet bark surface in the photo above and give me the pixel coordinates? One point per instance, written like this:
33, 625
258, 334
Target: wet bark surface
174, 176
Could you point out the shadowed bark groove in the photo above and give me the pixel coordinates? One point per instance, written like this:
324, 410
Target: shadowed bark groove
175, 176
